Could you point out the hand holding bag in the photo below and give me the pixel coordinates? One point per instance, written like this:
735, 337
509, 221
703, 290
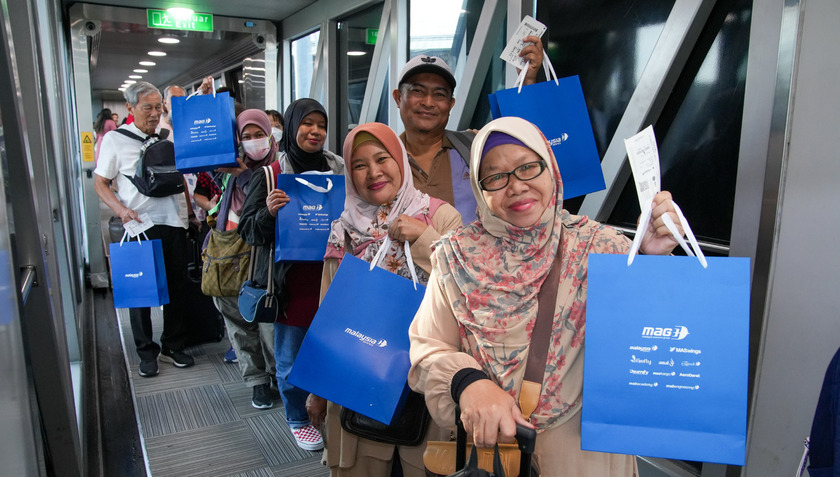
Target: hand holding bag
303, 224
558, 108
138, 273
257, 303
204, 130
355, 353
666, 356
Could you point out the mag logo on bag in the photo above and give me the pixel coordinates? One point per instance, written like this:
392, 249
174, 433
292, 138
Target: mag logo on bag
675, 333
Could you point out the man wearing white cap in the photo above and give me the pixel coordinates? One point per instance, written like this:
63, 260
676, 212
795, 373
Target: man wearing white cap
439, 157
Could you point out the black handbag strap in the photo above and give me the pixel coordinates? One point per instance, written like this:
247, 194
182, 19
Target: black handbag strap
269, 185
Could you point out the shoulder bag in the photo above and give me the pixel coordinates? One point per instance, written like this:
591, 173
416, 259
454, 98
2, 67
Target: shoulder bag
257, 303
226, 261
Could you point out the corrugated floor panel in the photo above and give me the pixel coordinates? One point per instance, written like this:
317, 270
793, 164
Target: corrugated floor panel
199, 421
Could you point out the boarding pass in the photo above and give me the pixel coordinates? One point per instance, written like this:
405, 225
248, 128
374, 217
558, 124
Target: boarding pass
528, 26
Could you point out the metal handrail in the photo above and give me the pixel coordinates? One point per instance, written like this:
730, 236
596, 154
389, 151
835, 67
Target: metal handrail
27, 281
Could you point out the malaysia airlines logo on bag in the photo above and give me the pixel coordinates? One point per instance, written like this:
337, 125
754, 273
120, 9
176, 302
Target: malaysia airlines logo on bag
201, 121
558, 140
312, 207
366, 339
134, 275
675, 333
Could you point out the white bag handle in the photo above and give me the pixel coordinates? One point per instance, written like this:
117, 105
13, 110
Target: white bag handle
672, 227
125, 234
549, 72
213, 84
315, 187
380, 255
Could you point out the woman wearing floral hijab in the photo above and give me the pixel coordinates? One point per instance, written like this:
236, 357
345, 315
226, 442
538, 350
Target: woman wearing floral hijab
381, 201
471, 336
299, 282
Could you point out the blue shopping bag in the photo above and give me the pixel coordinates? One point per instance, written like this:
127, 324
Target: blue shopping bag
303, 224
356, 351
665, 363
204, 132
559, 110
138, 274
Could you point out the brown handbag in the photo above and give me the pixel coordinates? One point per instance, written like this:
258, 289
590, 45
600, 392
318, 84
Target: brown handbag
441, 457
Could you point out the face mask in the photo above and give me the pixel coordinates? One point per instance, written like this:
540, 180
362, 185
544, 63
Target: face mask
256, 148
277, 133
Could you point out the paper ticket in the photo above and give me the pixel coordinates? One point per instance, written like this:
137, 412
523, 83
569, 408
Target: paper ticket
135, 228
528, 26
644, 161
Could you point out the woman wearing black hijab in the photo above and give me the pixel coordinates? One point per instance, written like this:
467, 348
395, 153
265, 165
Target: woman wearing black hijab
299, 282
303, 140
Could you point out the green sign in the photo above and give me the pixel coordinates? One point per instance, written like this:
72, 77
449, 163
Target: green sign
372, 33
163, 19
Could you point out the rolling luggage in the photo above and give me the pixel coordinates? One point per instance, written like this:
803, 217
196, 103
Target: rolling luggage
205, 324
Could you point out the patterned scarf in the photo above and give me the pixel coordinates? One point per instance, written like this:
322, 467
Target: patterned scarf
491, 272
366, 224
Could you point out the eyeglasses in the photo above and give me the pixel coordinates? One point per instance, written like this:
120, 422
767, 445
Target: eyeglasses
421, 92
525, 172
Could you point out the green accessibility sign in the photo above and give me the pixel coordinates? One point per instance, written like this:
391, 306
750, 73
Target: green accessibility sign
163, 19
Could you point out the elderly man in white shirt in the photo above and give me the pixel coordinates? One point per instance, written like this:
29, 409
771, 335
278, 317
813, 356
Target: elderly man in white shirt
118, 158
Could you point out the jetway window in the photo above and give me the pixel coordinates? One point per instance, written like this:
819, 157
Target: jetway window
304, 51
608, 44
699, 130
439, 28
357, 37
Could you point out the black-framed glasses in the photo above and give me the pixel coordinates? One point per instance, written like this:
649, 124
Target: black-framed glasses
525, 172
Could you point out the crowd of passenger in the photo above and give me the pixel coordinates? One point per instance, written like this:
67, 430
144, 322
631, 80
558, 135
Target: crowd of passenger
468, 205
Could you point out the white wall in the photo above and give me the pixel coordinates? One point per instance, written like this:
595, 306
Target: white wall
802, 322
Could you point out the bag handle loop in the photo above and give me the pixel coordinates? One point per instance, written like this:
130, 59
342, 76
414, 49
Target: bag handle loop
125, 234
644, 223
380, 255
549, 72
314, 187
196, 92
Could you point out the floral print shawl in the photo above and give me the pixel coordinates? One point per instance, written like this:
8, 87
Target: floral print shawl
491, 272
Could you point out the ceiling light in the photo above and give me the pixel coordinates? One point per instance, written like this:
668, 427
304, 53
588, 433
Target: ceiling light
135, 76
148, 63
356, 53
141, 70
180, 13
130, 81
241, 81
169, 40
156, 53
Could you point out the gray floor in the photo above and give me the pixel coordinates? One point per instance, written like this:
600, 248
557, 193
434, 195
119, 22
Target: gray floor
199, 421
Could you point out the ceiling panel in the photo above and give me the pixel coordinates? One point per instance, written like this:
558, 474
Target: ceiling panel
274, 10
122, 42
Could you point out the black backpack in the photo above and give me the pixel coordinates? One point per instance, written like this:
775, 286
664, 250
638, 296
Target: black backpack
156, 175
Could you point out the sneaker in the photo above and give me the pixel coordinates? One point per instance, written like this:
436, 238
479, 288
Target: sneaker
178, 358
262, 397
230, 356
308, 438
148, 368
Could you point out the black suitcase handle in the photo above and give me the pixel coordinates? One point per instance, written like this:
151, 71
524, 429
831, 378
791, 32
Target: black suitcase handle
526, 440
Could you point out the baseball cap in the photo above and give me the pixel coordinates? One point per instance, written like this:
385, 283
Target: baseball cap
427, 64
